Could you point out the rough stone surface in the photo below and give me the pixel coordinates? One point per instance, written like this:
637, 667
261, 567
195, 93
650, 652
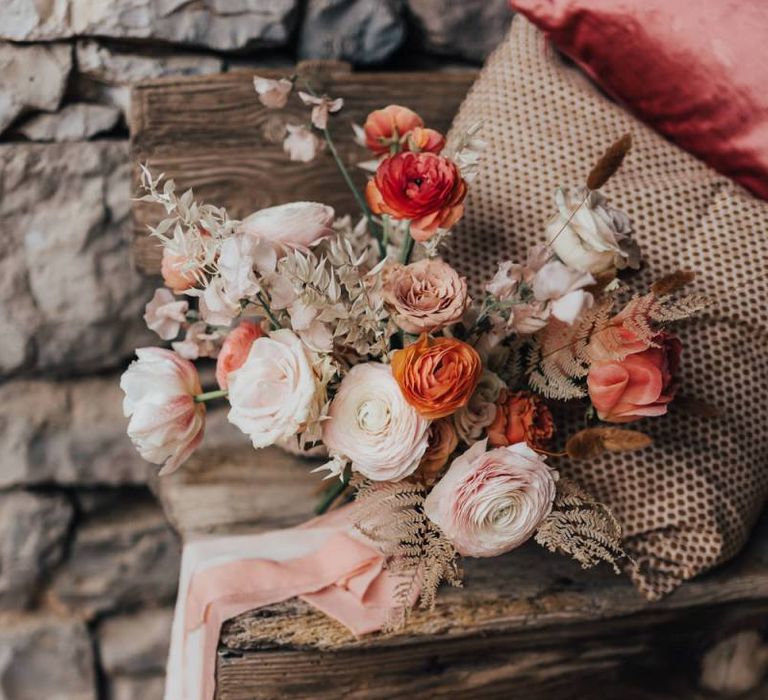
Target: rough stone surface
76, 122
69, 298
31, 77
217, 24
33, 531
470, 29
127, 688
106, 75
118, 560
358, 31
45, 658
135, 644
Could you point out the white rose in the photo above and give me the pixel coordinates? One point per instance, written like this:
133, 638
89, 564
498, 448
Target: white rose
371, 424
488, 503
598, 236
478, 414
166, 424
273, 393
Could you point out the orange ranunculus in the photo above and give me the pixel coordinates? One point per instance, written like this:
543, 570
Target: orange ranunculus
425, 140
437, 375
639, 386
521, 417
423, 187
442, 442
235, 350
386, 127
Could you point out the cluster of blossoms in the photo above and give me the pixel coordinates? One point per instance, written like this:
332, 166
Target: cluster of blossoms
357, 339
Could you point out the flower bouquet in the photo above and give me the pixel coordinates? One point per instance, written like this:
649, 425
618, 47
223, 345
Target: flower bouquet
436, 401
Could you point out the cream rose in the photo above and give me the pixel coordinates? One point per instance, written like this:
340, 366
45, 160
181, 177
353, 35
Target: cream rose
371, 425
273, 392
598, 236
488, 503
298, 225
425, 296
166, 424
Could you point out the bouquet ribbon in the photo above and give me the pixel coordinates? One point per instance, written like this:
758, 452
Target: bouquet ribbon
323, 562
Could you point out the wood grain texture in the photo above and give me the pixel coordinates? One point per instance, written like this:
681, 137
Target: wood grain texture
212, 134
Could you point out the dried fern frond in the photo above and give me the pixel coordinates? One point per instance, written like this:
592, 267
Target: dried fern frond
592, 442
391, 514
609, 162
582, 528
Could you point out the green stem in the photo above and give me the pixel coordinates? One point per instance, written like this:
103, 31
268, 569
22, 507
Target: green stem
373, 227
332, 493
407, 248
275, 323
209, 395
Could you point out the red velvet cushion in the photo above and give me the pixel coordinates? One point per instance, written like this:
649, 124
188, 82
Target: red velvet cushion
695, 70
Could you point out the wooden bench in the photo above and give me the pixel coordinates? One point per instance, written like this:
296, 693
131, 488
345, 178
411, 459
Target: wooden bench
529, 624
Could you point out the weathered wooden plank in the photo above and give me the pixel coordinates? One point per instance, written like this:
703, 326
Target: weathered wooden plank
212, 134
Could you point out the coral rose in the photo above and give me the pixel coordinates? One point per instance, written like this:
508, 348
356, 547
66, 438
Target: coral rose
385, 128
423, 187
426, 295
235, 349
166, 424
442, 442
639, 385
521, 417
488, 503
370, 424
437, 376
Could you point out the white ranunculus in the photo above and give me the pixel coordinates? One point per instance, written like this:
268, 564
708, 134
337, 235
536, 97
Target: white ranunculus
478, 414
488, 503
598, 236
372, 425
166, 424
298, 225
273, 393
164, 315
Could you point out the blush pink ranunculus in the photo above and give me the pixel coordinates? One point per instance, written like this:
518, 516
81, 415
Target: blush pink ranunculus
235, 349
640, 385
488, 503
166, 424
297, 225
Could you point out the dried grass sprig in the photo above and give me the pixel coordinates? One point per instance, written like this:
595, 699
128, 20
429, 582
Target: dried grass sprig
609, 162
592, 442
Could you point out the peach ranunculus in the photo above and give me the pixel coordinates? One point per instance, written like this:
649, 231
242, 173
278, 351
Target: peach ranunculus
386, 127
638, 386
521, 417
442, 442
166, 423
426, 295
423, 187
437, 375
235, 349
425, 140
176, 278
372, 426
488, 503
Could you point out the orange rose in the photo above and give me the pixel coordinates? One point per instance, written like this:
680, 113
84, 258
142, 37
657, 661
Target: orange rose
423, 187
421, 139
442, 442
521, 417
385, 127
235, 350
437, 375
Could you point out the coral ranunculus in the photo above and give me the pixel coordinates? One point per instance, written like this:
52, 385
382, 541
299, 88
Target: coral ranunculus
423, 187
385, 127
235, 350
427, 140
521, 417
640, 385
437, 376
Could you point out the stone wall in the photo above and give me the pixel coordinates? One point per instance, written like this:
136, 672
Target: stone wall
87, 563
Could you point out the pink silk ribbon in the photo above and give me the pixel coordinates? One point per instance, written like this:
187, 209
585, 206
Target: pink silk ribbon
322, 562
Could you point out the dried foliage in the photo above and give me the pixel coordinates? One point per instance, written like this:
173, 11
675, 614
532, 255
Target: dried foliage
609, 162
582, 528
674, 282
391, 514
592, 442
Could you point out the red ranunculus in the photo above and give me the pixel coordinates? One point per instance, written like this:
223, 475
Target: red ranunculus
386, 127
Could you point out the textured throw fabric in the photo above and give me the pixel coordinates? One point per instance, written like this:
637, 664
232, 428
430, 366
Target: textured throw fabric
688, 502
